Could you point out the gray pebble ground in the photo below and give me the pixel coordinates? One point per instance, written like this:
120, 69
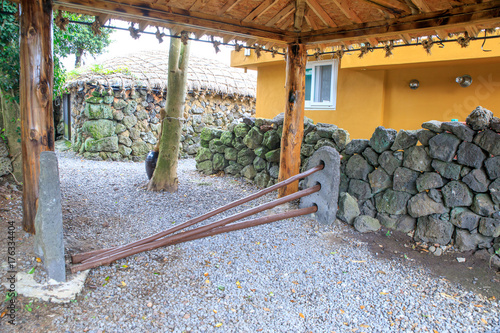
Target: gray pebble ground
284, 277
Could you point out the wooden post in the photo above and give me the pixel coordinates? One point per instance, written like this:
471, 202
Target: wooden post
36, 84
293, 126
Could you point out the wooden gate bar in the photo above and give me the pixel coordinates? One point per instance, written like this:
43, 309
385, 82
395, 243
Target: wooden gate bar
77, 258
95, 261
35, 85
252, 223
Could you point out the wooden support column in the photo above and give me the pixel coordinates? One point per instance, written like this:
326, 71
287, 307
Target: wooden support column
293, 126
36, 84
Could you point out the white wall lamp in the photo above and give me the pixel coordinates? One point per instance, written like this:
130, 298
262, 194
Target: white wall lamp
464, 80
414, 84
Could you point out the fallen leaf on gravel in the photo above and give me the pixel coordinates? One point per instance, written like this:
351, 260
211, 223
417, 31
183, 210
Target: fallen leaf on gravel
478, 305
233, 310
38, 260
302, 315
295, 282
266, 309
434, 331
249, 271
364, 326
342, 311
187, 316
221, 288
3, 314
205, 274
258, 243
207, 281
124, 266
31, 271
229, 263
106, 278
384, 293
358, 261
362, 307
381, 272
218, 325
293, 290
124, 284
484, 321
215, 311
339, 282
492, 298
149, 304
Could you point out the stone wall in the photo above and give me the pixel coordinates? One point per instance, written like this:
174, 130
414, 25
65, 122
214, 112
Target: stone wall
439, 184
5, 162
125, 125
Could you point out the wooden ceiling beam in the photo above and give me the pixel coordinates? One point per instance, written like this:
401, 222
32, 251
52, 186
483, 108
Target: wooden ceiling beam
281, 14
472, 30
406, 38
347, 11
458, 17
421, 5
310, 20
393, 6
103, 19
227, 7
318, 10
198, 5
300, 7
260, 10
213, 24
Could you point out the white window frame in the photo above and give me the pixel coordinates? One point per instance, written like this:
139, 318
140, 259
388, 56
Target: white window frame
331, 105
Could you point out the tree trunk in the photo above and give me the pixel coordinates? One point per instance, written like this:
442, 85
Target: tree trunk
293, 126
78, 58
12, 124
36, 84
165, 174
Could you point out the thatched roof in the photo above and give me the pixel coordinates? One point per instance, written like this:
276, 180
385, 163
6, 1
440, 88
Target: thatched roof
149, 70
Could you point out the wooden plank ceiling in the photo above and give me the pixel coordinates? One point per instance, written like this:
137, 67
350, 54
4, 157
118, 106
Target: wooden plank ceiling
313, 22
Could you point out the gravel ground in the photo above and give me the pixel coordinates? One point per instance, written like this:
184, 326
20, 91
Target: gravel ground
288, 276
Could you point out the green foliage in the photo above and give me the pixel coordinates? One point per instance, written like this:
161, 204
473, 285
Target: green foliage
97, 69
78, 39
9, 49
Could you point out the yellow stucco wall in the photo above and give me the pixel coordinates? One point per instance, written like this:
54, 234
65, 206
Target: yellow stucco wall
374, 90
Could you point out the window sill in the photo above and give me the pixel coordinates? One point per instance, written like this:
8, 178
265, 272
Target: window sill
319, 108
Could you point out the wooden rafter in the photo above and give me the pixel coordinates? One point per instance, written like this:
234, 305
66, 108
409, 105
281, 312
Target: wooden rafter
458, 17
300, 7
103, 19
472, 30
213, 24
198, 5
228, 6
347, 11
318, 10
281, 14
260, 10
422, 6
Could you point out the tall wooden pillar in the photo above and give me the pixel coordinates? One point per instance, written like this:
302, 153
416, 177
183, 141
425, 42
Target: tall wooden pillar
36, 84
293, 127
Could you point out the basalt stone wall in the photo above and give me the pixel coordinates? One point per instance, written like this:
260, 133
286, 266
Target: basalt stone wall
439, 184
5, 162
125, 125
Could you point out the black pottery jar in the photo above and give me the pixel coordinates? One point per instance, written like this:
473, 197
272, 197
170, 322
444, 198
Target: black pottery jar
150, 162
